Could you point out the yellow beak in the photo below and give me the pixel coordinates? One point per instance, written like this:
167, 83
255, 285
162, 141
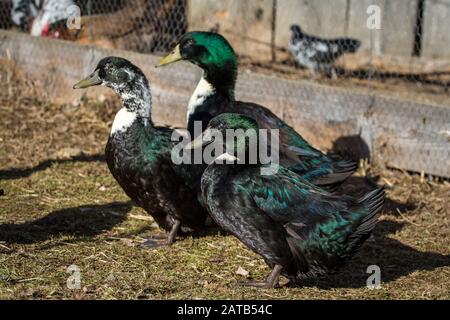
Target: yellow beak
174, 56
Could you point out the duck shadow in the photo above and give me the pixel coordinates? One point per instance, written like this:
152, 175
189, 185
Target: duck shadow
209, 230
16, 173
359, 186
83, 222
394, 259
80, 222
351, 147
354, 148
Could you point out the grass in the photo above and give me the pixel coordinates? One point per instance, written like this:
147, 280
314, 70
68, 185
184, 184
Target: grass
61, 207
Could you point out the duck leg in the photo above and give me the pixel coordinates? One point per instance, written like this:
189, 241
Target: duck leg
158, 241
313, 72
173, 233
271, 281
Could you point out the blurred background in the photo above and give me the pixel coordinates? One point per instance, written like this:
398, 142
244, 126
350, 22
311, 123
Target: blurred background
374, 70
367, 79
408, 51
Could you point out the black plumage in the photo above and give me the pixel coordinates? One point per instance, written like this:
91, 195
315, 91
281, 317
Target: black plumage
215, 95
299, 229
318, 54
138, 154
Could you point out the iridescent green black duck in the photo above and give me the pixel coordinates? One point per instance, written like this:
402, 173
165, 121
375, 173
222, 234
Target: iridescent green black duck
298, 228
215, 95
138, 154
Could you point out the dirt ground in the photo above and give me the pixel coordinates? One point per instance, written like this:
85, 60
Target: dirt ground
60, 207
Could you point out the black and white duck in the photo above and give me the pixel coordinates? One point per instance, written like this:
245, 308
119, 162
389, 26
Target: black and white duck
299, 229
215, 95
138, 154
318, 54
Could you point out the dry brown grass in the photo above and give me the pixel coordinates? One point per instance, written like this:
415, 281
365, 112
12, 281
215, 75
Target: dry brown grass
62, 207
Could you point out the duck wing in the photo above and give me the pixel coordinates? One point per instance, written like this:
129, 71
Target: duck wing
321, 227
171, 184
296, 153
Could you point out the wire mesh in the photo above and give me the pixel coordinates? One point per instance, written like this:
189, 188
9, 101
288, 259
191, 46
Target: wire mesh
138, 25
324, 41
371, 47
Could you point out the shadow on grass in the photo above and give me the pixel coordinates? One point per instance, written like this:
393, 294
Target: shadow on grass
82, 221
351, 147
16, 173
359, 186
394, 258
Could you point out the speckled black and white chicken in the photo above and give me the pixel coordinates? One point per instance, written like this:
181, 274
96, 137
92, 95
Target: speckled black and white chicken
39, 16
318, 54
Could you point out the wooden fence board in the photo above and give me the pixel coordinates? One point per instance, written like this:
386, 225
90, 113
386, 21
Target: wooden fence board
404, 134
247, 24
436, 35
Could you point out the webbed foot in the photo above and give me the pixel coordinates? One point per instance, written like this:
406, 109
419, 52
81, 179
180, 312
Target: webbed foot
271, 281
162, 240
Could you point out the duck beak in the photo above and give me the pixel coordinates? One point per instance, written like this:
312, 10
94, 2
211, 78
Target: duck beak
201, 141
174, 56
91, 80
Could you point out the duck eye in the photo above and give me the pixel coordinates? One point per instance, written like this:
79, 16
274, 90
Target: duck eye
122, 75
190, 42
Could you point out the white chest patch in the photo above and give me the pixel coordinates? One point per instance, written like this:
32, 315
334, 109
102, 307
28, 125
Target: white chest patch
123, 120
204, 89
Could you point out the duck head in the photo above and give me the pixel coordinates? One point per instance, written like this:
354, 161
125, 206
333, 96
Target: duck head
125, 79
234, 133
211, 52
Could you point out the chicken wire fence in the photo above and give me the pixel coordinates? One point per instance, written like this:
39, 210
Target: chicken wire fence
391, 47
396, 48
138, 25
